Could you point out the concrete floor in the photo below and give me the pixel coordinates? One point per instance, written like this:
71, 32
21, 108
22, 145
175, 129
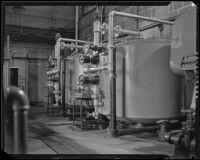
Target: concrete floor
55, 135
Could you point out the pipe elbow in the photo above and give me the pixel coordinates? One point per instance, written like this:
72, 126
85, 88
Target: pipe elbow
16, 95
111, 13
59, 40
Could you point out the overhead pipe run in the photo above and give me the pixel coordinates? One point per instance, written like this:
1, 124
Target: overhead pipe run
112, 13
112, 61
71, 46
119, 30
73, 40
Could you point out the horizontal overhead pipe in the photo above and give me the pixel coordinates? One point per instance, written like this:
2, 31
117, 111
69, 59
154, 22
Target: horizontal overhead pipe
75, 41
73, 46
140, 17
138, 130
126, 31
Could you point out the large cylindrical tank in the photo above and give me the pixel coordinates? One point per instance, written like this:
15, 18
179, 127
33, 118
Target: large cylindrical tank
147, 89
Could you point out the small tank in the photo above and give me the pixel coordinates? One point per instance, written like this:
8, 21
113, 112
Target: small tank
147, 89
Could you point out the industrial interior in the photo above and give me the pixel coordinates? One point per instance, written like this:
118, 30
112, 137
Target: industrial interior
100, 79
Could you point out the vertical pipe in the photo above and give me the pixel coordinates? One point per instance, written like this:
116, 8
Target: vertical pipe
76, 27
137, 20
63, 88
61, 77
112, 78
67, 87
26, 73
124, 86
114, 89
101, 21
8, 64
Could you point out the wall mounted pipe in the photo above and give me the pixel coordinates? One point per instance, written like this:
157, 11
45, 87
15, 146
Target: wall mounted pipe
111, 61
16, 112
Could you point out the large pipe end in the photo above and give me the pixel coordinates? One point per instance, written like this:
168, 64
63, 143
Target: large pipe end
14, 94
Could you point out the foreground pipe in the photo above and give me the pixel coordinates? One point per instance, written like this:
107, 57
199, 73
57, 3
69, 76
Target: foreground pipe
112, 61
112, 77
138, 130
16, 112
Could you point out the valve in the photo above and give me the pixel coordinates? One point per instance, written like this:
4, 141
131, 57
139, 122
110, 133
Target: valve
84, 59
89, 79
84, 79
116, 33
94, 59
73, 47
86, 48
89, 59
104, 28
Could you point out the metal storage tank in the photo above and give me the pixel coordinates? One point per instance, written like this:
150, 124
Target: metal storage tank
147, 89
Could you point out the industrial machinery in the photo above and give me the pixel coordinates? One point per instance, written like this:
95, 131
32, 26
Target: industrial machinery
138, 80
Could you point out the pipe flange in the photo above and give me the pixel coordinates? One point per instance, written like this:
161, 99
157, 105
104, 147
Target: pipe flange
162, 121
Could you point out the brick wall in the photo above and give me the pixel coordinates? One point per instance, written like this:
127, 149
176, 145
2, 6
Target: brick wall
161, 12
